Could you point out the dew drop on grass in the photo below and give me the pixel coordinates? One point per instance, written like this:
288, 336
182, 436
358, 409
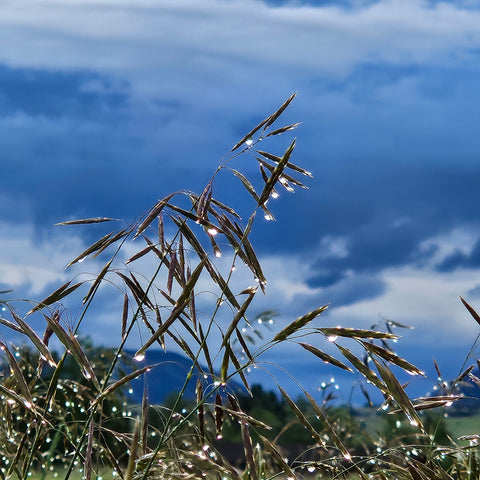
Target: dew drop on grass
332, 338
212, 231
311, 469
249, 142
268, 217
139, 358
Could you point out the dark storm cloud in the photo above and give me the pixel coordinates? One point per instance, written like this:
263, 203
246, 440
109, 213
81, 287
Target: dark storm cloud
355, 289
383, 214
55, 94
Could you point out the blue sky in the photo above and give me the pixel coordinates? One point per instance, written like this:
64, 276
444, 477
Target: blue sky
107, 106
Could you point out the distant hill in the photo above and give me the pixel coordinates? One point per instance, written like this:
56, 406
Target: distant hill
168, 377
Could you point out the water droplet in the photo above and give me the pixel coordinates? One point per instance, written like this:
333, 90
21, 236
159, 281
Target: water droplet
218, 253
268, 217
139, 358
332, 338
249, 142
212, 231
311, 469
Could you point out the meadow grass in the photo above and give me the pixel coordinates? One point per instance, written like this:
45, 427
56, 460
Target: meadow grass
69, 408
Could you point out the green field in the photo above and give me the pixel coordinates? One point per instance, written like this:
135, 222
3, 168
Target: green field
60, 474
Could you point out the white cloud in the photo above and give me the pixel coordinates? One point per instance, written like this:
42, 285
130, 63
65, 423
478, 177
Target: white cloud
31, 263
333, 247
460, 239
141, 41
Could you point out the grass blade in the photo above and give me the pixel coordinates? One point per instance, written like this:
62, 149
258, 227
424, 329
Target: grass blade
86, 220
267, 190
281, 130
356, 333
325, 357
57, 295
392, 358
278, 458
370, 375
97, 281
473, 313
180, 305
35, 339
298, 324
72, 345
298, 413
272, 118
92, 248
238, 316
153, 213
248, 186
247, 446
397, 392
119, 383
218, 415
17, 373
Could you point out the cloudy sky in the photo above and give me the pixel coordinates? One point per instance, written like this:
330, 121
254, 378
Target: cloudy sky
106, 106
